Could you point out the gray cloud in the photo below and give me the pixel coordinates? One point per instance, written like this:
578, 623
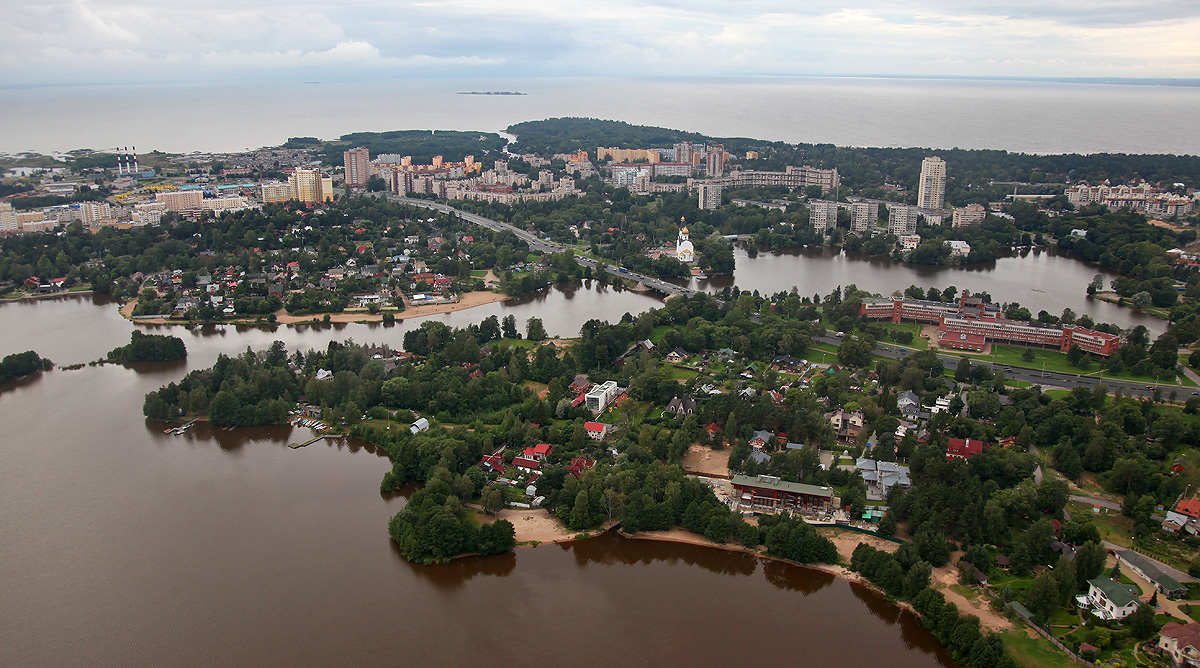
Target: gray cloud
69, 41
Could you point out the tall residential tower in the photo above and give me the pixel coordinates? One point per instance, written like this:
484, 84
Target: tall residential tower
358, 166
931, 193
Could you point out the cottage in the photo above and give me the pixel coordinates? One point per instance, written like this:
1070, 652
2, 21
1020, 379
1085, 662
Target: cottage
532, 458
682, 406
960, 448
420, 425
1109, 600
1181, 642
493, 463
579, 465
761, 438
596, 430
847, 425
881, 477
676, 356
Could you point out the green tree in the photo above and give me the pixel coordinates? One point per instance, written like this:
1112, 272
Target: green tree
492, 499
534, 329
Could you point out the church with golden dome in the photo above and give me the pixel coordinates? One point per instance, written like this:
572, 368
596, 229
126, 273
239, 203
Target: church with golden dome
684, 251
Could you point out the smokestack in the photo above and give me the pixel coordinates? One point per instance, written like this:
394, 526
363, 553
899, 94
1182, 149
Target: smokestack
135, 165
120, 165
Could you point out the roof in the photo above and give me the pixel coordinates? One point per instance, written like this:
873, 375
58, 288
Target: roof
759, 457
1151, 570
1189, 507
763, 435
1119, 594
771, 482
966, 448
1185, 635
595, 426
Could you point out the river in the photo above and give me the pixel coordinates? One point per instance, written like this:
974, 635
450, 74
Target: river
125, 546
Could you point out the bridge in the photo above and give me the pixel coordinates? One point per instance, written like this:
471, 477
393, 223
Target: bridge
540, 245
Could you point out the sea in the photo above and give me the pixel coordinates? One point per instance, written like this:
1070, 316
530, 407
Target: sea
1040, 117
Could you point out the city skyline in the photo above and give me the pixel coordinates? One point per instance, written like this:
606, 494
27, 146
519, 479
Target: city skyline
136, 41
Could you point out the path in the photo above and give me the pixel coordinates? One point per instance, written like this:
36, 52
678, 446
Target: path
1175, 573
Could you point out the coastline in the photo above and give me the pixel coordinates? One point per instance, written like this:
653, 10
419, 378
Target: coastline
468, 300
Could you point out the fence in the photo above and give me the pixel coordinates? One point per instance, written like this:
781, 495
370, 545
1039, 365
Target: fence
1023, 613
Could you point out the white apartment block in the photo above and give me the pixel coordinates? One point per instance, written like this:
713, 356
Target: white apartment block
8, 219
822, 215
600, 396
710, 195
931, 191
971, 214
864, 216
902, 220
274, 191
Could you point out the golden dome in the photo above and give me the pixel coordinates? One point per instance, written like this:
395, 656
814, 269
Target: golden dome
684, 230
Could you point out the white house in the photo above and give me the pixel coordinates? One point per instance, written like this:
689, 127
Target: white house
1109, 600
601, 395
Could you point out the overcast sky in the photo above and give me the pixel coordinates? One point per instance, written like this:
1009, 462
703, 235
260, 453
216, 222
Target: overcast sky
81, 41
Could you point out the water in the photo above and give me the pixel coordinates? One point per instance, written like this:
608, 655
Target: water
1041, 279
1033, 117
125, 546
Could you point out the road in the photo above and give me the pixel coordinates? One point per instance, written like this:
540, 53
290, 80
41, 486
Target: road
539, 245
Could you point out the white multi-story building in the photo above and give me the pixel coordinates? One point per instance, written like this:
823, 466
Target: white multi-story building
710, 195
822, 215
311, 186
959, 248
971, 214
275, 191
714, 163
931, 191
602, 395
864, 216
8, 219
902, 220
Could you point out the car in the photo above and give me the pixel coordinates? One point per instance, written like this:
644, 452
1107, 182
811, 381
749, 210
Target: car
1196, 394
1149, 387
1008, 368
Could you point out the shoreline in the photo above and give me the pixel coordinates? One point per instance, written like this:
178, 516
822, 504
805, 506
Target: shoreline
468, 300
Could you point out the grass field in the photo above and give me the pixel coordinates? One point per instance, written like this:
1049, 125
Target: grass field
917, 342
1034, 653
1052, 360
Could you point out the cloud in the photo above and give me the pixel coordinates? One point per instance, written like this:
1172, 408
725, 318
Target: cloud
135, 40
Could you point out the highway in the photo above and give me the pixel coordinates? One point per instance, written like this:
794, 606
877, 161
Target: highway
539, 245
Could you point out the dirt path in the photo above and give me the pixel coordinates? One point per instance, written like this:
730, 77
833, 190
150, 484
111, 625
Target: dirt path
979, 606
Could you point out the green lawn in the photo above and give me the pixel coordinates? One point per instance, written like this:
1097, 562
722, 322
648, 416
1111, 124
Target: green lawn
818, 356
681, 374
1034, 653
915, 328
1052, 360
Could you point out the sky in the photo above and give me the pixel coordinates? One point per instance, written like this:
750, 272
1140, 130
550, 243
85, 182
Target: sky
150, 41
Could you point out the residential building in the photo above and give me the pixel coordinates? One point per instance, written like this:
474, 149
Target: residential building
864, 216
682, 406
627, 154
596, 430
1109, 600
902, 220
1181, 643
908, 241
600, 396
311, 186
931, 190
275, 191
532, 458
847, 424
1151, 572
714, 162
959, 248
769, 493
971, 214
8, 218
358, 166
684, 152
963, 448
710, 195
180, 200
1142, 197
822, 215
881, 477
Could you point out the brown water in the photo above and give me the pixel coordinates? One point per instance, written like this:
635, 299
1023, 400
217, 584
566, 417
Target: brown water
123, 546
1039, 280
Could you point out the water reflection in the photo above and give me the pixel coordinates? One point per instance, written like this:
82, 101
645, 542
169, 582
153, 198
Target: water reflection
460, 571
806, 581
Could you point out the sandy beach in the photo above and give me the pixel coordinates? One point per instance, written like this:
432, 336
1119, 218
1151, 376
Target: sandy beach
534, 525
466, 301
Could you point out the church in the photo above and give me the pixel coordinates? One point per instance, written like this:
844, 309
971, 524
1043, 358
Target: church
684, 251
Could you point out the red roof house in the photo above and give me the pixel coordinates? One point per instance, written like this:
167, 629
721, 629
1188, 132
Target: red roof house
493, 462
596, 430
960, 448
1189, 507
579, 465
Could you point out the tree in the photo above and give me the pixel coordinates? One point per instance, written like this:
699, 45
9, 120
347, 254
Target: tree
917, 579
534, 329
1028, 355
1140, 300
580, 515
1141, 623
962, 372
509, 327
1097, 284
1042, 597
492, 499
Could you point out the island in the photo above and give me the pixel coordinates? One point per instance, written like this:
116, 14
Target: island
491, 92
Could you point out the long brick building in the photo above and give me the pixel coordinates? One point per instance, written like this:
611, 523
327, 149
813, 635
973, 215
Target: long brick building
970, 322
769, 493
